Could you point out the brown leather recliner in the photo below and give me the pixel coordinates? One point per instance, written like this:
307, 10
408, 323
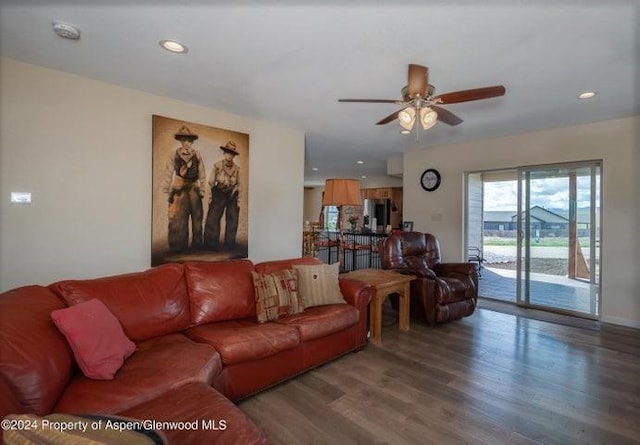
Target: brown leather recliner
443, 291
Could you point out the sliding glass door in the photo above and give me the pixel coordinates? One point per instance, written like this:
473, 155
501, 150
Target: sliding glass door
558, 249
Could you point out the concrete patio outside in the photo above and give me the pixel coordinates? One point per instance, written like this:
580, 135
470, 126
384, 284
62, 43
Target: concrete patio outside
545, 290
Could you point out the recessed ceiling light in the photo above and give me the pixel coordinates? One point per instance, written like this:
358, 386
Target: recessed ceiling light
359, 162
586, 95
174, 46
315, 169
364, 176
405, 131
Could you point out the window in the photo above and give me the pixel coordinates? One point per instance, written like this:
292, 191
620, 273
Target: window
331, 218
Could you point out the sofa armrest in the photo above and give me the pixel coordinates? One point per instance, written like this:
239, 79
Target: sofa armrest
468, 269
356, 292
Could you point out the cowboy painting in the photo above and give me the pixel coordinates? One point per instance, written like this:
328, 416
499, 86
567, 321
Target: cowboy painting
224, 183
185, 181
200, 188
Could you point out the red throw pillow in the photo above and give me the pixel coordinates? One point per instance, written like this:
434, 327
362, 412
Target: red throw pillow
95, 335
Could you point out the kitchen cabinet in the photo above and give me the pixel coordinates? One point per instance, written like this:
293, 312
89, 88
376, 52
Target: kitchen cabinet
396, 206
377, 193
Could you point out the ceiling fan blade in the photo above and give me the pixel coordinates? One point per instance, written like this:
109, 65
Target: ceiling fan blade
393, 116
372, 101
446, 116
417, 82
468, 95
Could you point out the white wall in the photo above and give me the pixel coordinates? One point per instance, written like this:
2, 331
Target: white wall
616, 142
83, 149
373, 182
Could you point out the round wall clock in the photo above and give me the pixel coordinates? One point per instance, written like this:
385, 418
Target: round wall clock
430, 179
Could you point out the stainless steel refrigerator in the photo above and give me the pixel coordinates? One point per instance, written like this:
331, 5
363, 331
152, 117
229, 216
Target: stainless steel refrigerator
378, 212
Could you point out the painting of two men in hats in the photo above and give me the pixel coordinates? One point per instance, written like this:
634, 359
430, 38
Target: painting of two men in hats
199, 178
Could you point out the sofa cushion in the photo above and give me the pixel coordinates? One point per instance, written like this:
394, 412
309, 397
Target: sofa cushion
96, 338
220, 291
320, 321
36, 361
159, 364
318, 284
148, 304
9, 402
245, 340
276, 295
219, 421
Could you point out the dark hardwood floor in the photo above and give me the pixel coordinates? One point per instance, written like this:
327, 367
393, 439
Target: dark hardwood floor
501, 376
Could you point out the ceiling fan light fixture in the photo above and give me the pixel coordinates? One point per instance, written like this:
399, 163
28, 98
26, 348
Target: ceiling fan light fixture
428, 118
407, 118
418, 98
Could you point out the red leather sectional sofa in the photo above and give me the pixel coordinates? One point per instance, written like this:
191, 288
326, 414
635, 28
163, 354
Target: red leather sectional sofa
199, 346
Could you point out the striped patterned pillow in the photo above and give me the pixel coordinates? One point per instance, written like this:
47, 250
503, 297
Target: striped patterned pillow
319, 284
276, 295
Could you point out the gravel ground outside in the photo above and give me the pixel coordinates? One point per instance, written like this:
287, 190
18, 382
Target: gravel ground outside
506, 259
551, 266
543, 260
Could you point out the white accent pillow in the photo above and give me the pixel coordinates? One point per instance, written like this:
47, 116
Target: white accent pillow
318, 284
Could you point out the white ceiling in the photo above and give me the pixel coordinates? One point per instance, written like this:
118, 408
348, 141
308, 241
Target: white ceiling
289, 62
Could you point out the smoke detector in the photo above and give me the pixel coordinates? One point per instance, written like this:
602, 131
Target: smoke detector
66, 30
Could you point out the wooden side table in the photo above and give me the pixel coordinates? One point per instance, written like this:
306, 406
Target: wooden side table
384, 282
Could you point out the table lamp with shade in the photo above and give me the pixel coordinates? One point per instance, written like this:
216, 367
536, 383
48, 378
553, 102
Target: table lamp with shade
339, 193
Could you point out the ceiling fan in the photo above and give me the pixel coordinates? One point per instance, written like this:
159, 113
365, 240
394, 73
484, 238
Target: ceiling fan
419, 102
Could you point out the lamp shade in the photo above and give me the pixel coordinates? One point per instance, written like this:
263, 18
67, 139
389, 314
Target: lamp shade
428, 117
341, 192
407, 118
